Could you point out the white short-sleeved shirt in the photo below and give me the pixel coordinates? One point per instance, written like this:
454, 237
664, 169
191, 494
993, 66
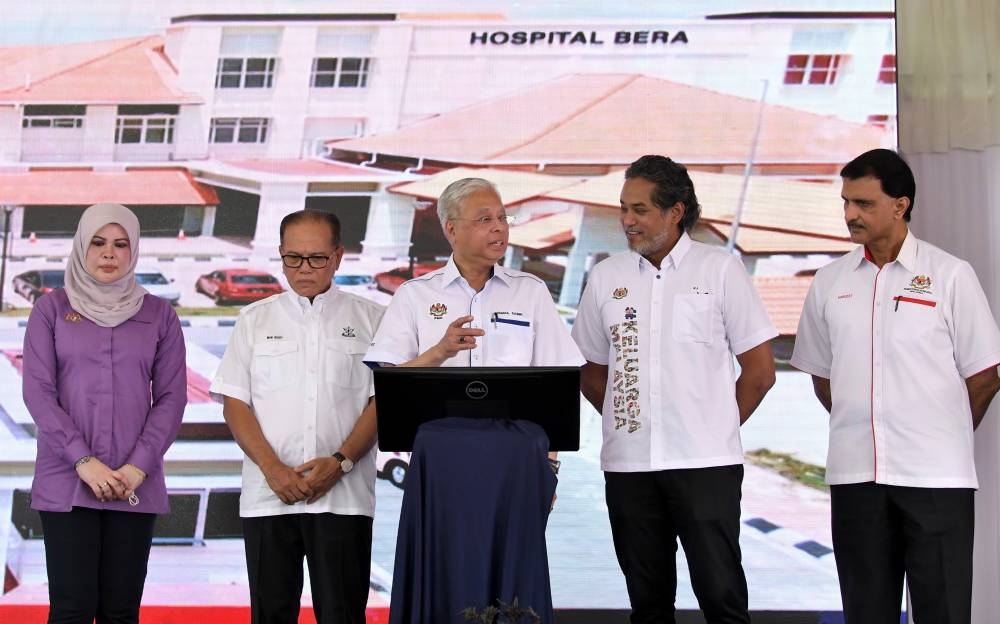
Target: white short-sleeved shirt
897, 345
668, 337
298, 366
515, 309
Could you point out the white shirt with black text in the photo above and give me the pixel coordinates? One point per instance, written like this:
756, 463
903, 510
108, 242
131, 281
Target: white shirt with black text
298, 366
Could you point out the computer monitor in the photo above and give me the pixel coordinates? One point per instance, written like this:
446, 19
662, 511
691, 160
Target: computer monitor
408, 397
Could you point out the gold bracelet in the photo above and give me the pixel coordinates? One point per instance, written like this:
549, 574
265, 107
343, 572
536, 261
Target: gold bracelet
83, 460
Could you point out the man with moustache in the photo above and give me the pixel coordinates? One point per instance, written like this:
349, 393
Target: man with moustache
294, 387
474, 312
659, 326
903, 351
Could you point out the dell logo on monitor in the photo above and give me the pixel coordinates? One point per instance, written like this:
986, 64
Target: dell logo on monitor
476, 390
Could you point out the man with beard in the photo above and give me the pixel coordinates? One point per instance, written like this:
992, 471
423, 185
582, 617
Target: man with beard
903, 351
659, 326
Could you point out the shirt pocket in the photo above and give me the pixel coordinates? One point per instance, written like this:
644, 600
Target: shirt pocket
275, 364
344, 364
514, 338
693, 318
914, 317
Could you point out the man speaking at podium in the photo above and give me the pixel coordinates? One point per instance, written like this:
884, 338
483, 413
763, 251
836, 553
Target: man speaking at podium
471, 312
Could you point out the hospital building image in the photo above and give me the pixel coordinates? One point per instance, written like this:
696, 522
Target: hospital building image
221, 123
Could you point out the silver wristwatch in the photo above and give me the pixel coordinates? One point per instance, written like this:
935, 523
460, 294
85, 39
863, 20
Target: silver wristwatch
345, 463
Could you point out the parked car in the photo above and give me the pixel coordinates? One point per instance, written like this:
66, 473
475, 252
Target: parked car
389, 281
33, 284
392, 467
357, 284
226, 286
157, 284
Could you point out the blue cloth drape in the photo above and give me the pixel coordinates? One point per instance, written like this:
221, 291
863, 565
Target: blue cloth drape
472, 524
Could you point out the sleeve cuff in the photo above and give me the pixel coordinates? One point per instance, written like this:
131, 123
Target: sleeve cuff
809, 367
754, 340
75, 450
142, 458
980, 365
375, 357
594, 356
220, 390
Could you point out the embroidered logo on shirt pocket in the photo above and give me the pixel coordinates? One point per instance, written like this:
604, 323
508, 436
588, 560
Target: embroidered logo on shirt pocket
693, 318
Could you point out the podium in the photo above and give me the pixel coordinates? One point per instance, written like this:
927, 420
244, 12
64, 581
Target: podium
479, 488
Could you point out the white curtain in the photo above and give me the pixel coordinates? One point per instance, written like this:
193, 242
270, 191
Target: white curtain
948, 67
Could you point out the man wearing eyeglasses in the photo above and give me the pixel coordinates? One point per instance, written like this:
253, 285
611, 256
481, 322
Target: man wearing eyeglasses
293, 387
474, 312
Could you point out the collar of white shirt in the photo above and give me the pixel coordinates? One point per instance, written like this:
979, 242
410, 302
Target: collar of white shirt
907, 257
449, 273
681, 247
303, 305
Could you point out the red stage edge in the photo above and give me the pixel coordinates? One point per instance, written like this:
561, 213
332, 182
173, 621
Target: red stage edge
31, 614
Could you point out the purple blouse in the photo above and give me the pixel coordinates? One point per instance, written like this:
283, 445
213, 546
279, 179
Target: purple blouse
117, 393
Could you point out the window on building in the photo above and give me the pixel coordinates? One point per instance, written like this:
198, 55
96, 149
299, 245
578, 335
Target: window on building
245, 73
238, 130
346, 73
53, 116
887, 72
247, 58
881, 121
146, 124
814, 69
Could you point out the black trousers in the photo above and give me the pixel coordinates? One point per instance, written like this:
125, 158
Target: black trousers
96, 562
881, 532
650, 510
338, 550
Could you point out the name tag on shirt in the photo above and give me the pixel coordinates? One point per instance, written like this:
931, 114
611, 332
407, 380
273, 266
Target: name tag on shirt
509, 319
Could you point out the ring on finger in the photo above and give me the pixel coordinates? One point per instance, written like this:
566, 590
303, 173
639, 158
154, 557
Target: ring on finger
461, 338
101, 486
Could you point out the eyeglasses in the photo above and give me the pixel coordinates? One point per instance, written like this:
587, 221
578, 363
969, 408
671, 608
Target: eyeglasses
487, 222
294, 261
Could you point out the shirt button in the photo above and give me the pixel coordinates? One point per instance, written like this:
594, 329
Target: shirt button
658, 276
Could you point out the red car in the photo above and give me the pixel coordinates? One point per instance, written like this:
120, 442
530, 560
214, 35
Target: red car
389, 281
227, 286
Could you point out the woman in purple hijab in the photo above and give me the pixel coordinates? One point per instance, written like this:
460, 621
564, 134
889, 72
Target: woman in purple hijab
106, 383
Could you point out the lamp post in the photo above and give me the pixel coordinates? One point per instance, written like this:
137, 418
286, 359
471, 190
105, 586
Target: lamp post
3, 258
747, 170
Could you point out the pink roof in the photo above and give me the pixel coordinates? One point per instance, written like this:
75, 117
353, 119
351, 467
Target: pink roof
613, 118
783, 298
82, 187
119, 71
302, 167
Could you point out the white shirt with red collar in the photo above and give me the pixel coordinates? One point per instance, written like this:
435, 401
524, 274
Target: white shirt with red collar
897, 345
668, 337
514, 308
